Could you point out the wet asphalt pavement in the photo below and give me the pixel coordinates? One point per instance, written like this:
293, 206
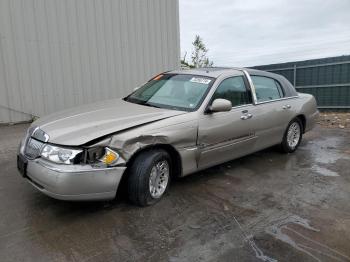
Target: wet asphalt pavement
264, 207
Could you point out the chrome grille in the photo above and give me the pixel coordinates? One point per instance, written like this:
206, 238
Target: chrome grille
33, 148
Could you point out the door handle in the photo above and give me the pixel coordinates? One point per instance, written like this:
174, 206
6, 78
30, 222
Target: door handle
247, 116
286, 106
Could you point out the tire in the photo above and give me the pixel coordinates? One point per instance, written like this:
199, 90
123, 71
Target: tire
148, 173
292, 136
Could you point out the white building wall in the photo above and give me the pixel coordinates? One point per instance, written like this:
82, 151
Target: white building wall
56, 54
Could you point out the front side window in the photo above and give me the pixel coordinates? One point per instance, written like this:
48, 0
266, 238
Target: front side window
174, 91
234, 90
266, 88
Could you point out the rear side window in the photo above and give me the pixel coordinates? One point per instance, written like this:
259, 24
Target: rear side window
234, 90
266, 88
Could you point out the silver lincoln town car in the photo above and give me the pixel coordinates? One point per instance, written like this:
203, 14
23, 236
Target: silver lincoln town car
177, 123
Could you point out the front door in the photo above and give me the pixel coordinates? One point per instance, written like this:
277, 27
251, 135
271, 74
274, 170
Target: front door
223, 136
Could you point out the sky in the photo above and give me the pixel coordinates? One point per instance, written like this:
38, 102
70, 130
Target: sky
258, 32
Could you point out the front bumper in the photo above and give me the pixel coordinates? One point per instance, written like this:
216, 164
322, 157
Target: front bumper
73, 182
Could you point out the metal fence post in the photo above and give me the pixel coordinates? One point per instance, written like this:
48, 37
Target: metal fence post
295, 75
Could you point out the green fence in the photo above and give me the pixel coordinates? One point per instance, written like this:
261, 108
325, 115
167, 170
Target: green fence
328, 79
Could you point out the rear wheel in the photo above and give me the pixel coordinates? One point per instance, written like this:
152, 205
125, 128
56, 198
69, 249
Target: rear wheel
292, 136
149, 177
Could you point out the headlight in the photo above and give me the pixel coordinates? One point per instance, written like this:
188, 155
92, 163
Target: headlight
59, 155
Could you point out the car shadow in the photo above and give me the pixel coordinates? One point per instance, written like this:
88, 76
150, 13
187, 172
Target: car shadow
270, 155
121, 201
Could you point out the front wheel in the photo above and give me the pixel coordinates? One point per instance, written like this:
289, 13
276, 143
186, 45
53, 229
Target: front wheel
149, 177
292, 136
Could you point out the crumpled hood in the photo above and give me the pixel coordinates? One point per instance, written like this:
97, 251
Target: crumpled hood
82, 124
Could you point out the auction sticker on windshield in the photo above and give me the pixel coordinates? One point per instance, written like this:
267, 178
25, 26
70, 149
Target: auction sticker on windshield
200, 80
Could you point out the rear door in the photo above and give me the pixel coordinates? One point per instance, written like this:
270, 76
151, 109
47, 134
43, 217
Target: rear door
226, 135
273, 111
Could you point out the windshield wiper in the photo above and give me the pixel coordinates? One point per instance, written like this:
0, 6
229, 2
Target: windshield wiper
148, 104
139, 102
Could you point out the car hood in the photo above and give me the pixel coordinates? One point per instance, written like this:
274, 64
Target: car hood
80, 125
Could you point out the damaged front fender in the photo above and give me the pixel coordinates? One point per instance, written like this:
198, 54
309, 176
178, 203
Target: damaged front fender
180, 137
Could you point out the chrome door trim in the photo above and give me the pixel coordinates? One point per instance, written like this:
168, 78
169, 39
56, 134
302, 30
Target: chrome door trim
246, 117
229, 142
240, 106
252, 88
279, 99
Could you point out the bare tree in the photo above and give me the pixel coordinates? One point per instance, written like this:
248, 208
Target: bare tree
184, 63
199, 54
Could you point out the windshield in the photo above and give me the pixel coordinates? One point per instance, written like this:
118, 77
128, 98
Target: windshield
173, 91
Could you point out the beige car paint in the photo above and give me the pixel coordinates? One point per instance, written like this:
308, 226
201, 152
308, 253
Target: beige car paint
199, 139
80, 125
222, 136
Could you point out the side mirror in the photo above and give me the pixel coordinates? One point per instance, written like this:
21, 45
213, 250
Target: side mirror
220, 105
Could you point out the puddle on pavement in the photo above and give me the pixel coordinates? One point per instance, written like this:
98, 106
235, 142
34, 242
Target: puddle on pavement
287, 233
323, 171
325, 151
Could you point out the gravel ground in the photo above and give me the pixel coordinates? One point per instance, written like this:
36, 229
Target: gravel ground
264, 207
335, 120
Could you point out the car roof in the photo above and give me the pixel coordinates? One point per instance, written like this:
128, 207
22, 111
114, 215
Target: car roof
205, 71
217, 71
